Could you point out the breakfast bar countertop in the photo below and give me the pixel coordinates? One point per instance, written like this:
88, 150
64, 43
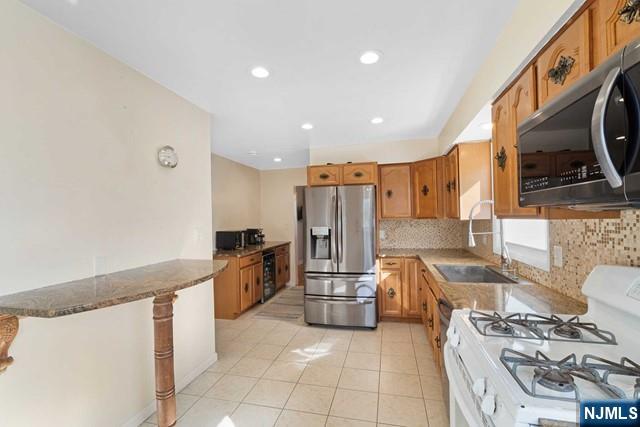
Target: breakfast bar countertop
248, 250
110, 289
506, 297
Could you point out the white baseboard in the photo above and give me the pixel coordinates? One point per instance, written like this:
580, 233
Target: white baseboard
181, 383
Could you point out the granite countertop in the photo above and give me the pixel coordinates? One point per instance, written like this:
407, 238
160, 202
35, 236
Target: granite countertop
249, 250
513, 297
110, 289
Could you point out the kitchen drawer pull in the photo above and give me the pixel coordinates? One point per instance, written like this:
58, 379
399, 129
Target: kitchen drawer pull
389, 193
391, 292
323, 176
391, 263
358, 174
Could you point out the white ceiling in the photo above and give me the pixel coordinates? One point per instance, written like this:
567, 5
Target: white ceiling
204, 49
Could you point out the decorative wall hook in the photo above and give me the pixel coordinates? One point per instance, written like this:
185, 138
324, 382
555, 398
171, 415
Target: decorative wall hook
8, 331
559, 73
501, 157
630, 12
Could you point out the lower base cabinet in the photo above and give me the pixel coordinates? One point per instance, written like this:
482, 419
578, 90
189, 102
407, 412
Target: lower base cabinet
399, 288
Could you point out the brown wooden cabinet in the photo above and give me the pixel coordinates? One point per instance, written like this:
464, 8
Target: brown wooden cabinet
359, 173
343, 174
565, 60
240, 286
324, 175
283, 271
400, 288
391, 292
246, 288
395, 190
426, 189
410, 288
611, 31
257, 283
467, 180
508, 112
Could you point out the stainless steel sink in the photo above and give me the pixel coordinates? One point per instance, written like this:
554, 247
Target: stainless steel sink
472, 273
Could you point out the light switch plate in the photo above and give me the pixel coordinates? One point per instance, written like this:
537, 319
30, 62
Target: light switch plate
557, 256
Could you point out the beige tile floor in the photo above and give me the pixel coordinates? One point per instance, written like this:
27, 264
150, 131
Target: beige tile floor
285, 373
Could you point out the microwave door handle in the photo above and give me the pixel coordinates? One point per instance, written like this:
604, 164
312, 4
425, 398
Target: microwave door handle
597, 129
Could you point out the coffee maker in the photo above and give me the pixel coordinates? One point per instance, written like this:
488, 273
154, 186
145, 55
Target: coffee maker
255, 236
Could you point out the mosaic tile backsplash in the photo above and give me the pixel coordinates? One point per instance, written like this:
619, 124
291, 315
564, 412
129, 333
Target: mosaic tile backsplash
585, 244
422, 234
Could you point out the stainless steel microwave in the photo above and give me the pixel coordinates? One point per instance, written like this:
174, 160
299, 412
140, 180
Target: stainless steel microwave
581, 149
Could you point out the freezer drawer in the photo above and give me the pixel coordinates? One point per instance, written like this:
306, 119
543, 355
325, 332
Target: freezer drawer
340, 311
337, 285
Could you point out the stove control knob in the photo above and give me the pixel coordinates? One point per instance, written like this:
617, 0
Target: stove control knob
489, 404
454, 338
479, 387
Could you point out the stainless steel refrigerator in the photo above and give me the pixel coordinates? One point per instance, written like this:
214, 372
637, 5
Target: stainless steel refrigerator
340, 259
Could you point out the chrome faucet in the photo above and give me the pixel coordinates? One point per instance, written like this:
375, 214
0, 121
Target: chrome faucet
506, 263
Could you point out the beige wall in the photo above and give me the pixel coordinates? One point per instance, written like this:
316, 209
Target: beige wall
236, 195
387, 152
531, 21
277, 204
80, 133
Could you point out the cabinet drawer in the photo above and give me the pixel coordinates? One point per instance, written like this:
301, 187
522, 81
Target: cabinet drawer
391, 263
359, 173
323, 175
250, 259
282, 250
565, 60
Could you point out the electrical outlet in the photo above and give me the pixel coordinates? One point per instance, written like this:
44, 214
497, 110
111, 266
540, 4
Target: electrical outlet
383, 235
198, 235
557, 256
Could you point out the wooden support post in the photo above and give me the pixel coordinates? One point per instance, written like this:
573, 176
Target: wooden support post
163, 352
8, 331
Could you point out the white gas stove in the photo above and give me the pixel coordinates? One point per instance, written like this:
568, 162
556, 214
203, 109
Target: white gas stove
517, 369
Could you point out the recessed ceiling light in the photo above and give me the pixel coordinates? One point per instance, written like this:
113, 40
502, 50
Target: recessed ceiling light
277, 159
486, 126
252, 153
377, 120
370, 57
260, 72
307, 126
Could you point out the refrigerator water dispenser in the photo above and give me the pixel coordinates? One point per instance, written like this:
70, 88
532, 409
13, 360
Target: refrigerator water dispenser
320, 243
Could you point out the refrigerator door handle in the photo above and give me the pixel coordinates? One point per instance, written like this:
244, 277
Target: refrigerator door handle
598, 129
346, 301
336, 227
340, 231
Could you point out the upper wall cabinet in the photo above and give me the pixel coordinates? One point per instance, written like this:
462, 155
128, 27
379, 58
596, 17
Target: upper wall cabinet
508, 112
615, 24
565, 60
467, 180
344, 174
427, 194
395, 190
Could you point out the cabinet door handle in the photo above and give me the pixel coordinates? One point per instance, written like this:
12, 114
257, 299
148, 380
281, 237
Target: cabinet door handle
286, 268
391, 292
323, 176
246, 287
559, 73
358, 174
449, 186
257, 280
389, 193
424, 306
629, 12
501, 157
430, 321
425, 190
438, 341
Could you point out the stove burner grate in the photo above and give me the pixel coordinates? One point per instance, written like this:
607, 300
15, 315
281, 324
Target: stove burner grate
539, 327
560, 375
